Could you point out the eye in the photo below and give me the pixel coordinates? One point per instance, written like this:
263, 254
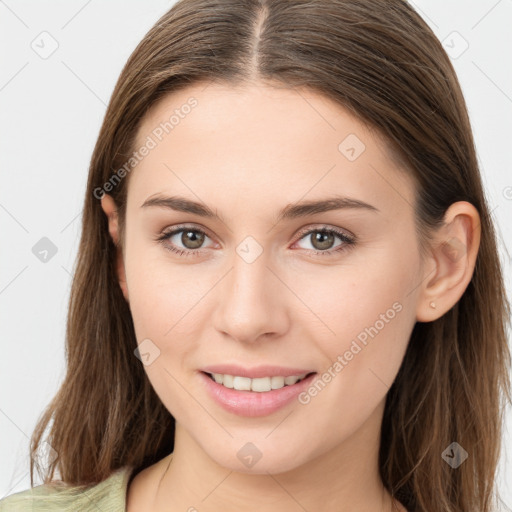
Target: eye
192, 239
322, 240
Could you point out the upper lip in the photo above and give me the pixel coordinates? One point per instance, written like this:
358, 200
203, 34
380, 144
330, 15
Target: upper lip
256, 371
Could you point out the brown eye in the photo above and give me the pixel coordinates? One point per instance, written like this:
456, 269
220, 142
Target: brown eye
192, 239
187, 241
322, 240
184, 241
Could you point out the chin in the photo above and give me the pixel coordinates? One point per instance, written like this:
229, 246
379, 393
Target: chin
258, 457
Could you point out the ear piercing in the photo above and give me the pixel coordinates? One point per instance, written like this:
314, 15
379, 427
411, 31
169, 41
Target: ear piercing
433, 305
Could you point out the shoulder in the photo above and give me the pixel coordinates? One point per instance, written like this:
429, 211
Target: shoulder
107, 496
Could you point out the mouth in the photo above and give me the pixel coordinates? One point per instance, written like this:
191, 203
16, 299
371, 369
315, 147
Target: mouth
255, 396
258, 384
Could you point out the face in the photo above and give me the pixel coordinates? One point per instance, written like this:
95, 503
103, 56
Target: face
265, 280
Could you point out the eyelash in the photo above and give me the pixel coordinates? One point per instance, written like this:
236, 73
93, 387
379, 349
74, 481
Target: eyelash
347, 240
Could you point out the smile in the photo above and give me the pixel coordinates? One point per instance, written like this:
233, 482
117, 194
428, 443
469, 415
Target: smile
259, 385
256, 396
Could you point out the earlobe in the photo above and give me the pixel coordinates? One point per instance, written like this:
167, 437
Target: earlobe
110, 209
451, 262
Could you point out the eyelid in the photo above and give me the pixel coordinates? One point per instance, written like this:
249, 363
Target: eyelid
183, 227
326, 227
299, 234
347, 237
166, 234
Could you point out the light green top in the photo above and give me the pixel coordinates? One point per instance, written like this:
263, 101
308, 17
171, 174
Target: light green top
107, 496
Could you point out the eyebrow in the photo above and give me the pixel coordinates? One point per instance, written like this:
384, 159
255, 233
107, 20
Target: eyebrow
290, 211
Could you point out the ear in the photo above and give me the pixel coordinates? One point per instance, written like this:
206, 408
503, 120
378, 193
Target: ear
109, 207
451, 262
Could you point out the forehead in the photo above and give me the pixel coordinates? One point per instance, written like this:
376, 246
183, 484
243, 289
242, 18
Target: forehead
262, 110
261, 139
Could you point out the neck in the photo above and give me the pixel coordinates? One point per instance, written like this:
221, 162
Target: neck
344, 479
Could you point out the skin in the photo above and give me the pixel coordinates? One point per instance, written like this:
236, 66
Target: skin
247, 152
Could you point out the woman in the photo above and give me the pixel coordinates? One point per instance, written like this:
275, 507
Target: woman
288, 294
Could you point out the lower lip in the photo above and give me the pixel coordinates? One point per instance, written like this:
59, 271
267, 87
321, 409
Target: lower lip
253, 403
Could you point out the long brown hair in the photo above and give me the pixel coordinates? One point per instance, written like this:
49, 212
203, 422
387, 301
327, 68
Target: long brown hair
380, 60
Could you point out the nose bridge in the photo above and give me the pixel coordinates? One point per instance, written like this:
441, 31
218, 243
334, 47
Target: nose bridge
249, 277
250, 303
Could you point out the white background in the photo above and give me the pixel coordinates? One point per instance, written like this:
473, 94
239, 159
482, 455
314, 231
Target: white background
50, 114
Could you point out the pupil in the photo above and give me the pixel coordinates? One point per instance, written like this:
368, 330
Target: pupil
323, 240
191, 239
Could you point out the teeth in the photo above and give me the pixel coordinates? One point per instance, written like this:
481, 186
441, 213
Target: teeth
259, 385
242, 383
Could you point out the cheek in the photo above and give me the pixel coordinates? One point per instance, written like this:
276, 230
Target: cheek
169, 307
368, 314
371, 313
161, 294
165, 307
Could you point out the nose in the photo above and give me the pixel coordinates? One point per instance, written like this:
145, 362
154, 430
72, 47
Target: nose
252, 301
